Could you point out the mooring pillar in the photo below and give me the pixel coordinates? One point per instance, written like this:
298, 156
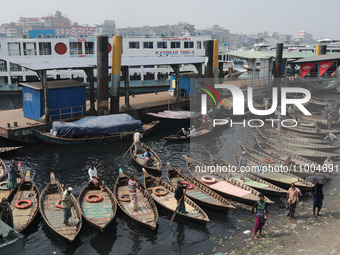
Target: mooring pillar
115, 73
209, 52
126, 75
89, 73
43, 77
215, 60
278, 60
102, 74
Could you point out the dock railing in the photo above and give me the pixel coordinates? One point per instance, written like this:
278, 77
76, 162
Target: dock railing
68, 112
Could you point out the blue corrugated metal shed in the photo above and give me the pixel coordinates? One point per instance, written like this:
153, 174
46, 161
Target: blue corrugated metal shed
184, 83
65, 99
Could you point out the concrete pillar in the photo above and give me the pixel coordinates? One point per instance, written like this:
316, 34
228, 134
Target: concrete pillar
209, 53
102, 74
43, 77
125, 70
89, 73
115, 72
176, 70
199, 69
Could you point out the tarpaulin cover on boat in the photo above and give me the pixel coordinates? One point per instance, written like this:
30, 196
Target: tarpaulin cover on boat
97, 125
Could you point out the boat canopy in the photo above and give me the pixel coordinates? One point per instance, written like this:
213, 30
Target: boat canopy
97, 125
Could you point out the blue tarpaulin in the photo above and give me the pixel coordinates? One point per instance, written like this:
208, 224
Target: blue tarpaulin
99, 125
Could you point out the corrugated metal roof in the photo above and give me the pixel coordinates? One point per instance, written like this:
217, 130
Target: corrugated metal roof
268, 54
318, 58
56, 84
80, 63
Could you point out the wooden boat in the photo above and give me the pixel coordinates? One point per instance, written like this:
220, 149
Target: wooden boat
54, 216
223, 184
167, 200
307, 130
313, 119
12, 242
279, 158
292, 133
200, 132
282, 178
250, 179
24, 201
147, 213
290, 137
48, 138
312, 146
4, 191
9, 149
311, 154
199, 193
157, 164
98, 214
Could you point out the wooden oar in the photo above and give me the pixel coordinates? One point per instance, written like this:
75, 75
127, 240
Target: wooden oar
128, 149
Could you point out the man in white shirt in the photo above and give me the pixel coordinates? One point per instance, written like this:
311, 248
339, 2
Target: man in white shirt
93, 174
331, 137
193, 131
136, 141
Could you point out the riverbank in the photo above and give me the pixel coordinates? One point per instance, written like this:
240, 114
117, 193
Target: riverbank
302, 235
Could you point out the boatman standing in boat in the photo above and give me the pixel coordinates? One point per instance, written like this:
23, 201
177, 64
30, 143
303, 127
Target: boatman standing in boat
260, 212
12, 172
66, 204
136, 141
292, 199
243, 163
179, 195
133, 192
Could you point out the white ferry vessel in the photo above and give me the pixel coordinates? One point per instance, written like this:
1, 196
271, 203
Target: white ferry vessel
66, 48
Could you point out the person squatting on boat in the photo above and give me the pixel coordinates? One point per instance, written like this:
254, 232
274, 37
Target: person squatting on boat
328, 163
93, 174
132, 184
6, 212
193, 131
331, 137
13, 173
179, 196
260, 212
317, 198
292, 199
289, 162
136, 141
66, 204
148, 157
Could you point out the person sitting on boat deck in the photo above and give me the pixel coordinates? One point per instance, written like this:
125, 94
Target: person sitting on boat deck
328, 163
181, 133
289, 162
331, 137
6, 212
292, 199
132, 184
179, 196
260, 212
13, 173
136, 141
317, 198
317, 127
148, 157
193, 131
242, 162
66, 204
93, 174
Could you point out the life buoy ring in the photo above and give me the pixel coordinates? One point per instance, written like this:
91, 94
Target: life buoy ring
97, 199
191, 186
208, 179
125, 197
159, 191
58, 204
3, 185
27, 203
268, 160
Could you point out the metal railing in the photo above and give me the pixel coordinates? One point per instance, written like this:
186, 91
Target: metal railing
61, 112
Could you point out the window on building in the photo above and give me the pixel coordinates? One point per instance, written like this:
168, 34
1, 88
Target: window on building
175, 45
14, 49
148, 45
188, 45
76, 48
29, 48
134, 45
89, 48
3, 66
45, 48
162, 45
199, 45
15, 67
